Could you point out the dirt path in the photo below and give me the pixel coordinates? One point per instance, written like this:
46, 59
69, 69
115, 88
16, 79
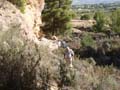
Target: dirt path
83, 23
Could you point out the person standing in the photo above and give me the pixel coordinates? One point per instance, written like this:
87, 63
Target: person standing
62, 44
68, 56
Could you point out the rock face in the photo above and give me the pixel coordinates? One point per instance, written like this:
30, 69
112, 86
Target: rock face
33, 14
28, 23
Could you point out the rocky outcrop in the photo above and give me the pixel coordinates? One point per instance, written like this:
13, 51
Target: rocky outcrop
28, 23
33, 15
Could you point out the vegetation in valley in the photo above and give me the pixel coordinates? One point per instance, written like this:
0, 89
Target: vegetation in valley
85, 17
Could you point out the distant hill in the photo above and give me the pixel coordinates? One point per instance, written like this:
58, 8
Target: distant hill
77, 2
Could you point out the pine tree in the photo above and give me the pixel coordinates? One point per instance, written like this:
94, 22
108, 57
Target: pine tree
57, 16
116, 21
100, 19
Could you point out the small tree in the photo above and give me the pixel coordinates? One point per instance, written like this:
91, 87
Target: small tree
100, 21
85, 17
87, 40
57, 16
115, 21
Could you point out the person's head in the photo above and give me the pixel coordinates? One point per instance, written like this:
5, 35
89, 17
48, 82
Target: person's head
68, 48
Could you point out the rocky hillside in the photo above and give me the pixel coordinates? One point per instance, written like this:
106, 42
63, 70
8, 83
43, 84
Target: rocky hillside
27, 66
28, 23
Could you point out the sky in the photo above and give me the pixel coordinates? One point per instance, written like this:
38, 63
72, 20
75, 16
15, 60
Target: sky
92, 1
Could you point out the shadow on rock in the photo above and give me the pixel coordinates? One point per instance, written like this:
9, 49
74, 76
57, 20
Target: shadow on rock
100, 55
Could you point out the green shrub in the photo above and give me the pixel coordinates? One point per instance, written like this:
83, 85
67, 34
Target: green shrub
108, 83
87, 40
20, 68
20, 63
17, 67
67, 75
100, 21
85, 17
20, 4
116, 21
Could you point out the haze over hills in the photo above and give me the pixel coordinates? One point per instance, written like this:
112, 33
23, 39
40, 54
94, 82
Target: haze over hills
77, 2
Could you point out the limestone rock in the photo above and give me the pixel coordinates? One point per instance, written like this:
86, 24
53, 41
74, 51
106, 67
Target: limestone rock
28, 23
